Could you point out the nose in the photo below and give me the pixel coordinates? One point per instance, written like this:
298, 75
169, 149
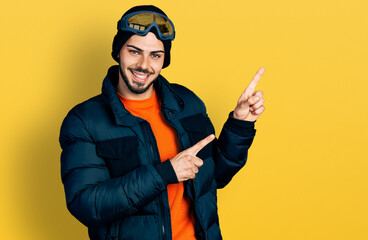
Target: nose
144, 62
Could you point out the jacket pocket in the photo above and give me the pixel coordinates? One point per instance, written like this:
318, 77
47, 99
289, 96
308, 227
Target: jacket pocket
198, 127
120, 154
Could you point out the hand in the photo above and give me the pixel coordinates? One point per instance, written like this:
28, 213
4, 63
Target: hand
186, 163
250, 104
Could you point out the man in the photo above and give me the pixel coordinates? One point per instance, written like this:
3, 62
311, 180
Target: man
140, 161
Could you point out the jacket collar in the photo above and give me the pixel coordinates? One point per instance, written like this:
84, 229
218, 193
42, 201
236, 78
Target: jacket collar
172, 104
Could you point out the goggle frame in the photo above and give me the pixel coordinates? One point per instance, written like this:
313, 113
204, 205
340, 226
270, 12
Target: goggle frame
124, 26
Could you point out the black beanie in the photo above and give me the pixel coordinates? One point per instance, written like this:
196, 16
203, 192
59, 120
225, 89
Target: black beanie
122, 36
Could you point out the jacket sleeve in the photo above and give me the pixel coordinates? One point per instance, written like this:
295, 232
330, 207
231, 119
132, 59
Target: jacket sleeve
91, 195
232, 149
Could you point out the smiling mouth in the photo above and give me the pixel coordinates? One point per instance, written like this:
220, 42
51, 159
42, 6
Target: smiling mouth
139, 76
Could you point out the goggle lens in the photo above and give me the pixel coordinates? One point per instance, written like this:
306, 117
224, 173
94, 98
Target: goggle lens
142, 21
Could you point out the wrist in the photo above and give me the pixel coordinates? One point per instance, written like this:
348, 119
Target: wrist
166, 171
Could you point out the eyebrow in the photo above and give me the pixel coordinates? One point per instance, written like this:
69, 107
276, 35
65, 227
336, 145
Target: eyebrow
140, 50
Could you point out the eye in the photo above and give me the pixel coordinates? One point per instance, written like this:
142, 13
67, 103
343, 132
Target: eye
155, 55
134, 52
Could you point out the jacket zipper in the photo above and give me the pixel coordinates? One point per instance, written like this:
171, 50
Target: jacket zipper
195, 209
152, 154
194, 191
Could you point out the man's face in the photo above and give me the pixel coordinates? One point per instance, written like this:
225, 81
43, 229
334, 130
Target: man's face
141, 60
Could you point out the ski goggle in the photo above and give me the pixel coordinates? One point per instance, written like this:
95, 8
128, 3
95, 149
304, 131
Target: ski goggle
142, 22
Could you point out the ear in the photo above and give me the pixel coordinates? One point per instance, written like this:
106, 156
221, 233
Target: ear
118, 57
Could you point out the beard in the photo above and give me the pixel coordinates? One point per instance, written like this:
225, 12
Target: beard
138, 87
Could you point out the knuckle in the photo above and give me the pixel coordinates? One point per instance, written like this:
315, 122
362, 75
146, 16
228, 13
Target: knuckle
187, 158
200, 144
188, 165
260, 110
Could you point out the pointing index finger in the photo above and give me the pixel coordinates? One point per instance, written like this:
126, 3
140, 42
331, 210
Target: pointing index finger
200, 145
252, 85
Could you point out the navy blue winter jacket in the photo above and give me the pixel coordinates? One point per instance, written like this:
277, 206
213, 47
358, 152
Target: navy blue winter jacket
114, 181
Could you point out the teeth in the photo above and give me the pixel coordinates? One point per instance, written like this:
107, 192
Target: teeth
140, 76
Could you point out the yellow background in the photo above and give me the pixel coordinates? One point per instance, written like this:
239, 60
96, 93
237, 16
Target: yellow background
306, 176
